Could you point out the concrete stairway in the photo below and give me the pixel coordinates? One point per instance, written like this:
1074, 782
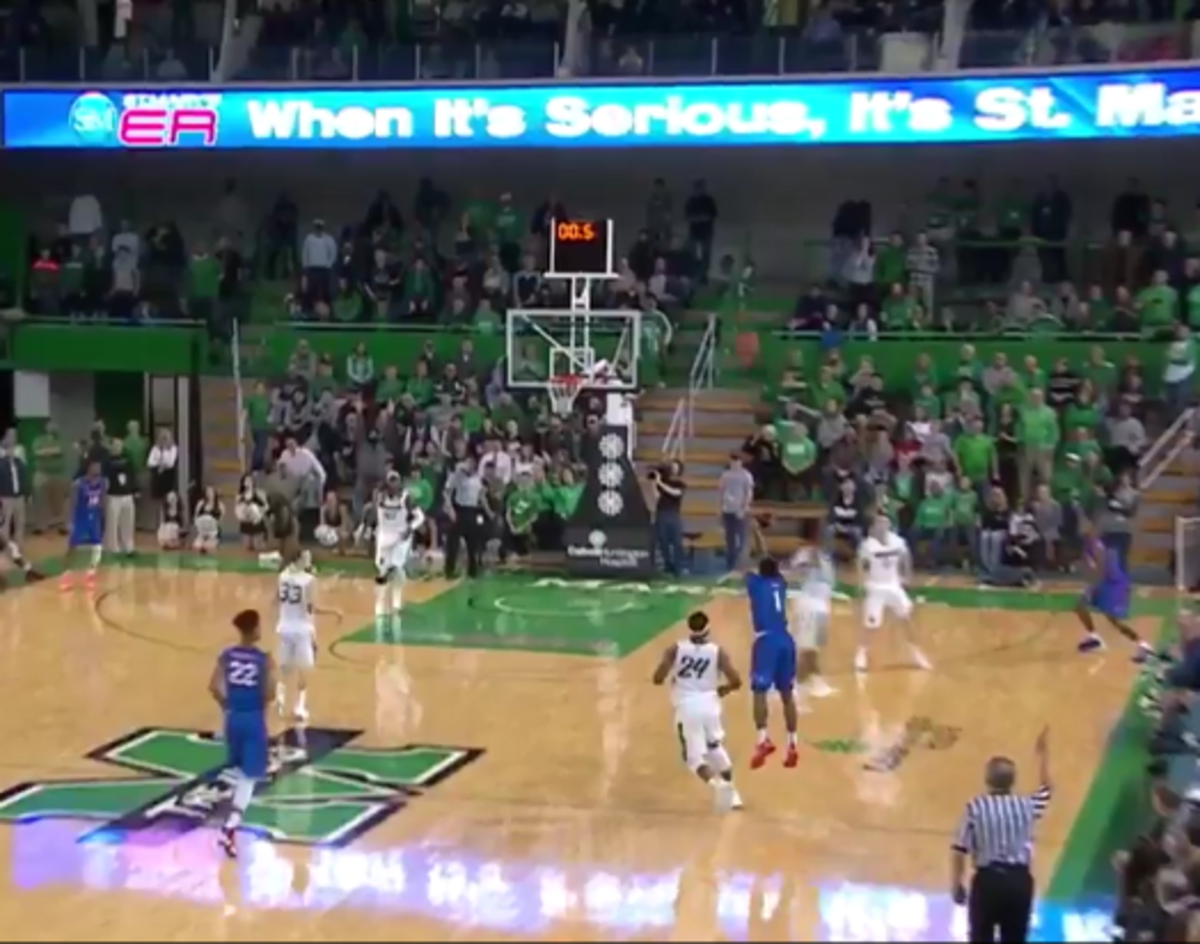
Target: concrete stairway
721, 421
684, 343
222, 470
690, 331
1175, 493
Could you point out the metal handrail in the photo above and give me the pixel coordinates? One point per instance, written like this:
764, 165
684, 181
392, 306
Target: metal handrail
703, 372
237, 396
701, 376
1164, 450
1180, 444
673, 442
634, 58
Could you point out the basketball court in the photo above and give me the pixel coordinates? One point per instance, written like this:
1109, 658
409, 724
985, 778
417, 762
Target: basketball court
509, 772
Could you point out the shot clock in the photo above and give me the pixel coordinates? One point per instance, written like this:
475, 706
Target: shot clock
581, 249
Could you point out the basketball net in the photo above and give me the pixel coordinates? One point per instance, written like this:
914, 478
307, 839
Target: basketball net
564, 390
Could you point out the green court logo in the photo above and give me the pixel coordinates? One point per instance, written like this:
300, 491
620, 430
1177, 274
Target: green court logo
919, 734
326, 795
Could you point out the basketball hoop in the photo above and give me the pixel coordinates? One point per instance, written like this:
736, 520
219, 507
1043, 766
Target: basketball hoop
564, 390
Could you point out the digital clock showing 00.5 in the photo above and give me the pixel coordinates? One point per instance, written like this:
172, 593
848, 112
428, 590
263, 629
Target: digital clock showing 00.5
581, 248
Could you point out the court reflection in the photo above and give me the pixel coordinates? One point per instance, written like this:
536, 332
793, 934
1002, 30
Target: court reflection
463, 888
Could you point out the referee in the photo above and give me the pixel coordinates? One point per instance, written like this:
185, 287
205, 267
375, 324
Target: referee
466, 507
997, 832
120, 510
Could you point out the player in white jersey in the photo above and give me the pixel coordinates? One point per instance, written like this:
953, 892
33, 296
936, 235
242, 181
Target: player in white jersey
297, 629
884, 565
10, 550
397, 520
811, 608
695, 668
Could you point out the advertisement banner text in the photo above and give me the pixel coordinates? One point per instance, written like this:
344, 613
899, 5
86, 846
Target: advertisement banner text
963, 109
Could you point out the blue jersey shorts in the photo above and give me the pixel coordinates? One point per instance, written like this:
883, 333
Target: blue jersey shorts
87, 532
773, 663
1109, 598
247, 744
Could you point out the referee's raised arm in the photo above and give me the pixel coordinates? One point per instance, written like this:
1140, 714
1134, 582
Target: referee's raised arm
996, 830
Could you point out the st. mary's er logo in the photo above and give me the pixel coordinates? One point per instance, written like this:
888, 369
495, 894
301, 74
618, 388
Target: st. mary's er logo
326, 795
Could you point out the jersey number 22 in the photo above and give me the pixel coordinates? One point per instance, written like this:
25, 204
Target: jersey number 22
243, 674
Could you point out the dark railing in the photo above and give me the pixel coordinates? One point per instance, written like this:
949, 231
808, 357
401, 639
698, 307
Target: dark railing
755, 54
969, 333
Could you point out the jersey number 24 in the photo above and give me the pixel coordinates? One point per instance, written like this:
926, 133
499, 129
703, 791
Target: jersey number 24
692, 667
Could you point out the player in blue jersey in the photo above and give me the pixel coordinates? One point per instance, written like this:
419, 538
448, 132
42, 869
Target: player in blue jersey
87, 525
772, 658
243, 684
1109, 592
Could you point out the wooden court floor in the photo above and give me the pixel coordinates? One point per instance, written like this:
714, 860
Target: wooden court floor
548, 802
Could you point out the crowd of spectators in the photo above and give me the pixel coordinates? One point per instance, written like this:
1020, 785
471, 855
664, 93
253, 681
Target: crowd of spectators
1158, 879
1158, 873
1004, 34
141, 473
929, 453
90, 266
996, 465
326, 435
430, 42
430, 263
954, 262
463, 269
322, 40
321, 439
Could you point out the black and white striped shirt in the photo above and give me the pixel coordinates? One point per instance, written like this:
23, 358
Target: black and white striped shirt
465, 488
997, 829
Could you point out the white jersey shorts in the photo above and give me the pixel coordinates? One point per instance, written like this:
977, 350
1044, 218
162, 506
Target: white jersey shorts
812, 622
297, 647
393, 556
881, 600
698, 724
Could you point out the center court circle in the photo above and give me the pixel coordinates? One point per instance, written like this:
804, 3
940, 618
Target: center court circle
579, 606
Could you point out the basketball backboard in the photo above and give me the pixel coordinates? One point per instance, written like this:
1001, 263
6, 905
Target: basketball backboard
602, 346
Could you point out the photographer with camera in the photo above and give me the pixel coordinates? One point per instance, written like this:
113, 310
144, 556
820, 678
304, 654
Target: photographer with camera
668, 515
